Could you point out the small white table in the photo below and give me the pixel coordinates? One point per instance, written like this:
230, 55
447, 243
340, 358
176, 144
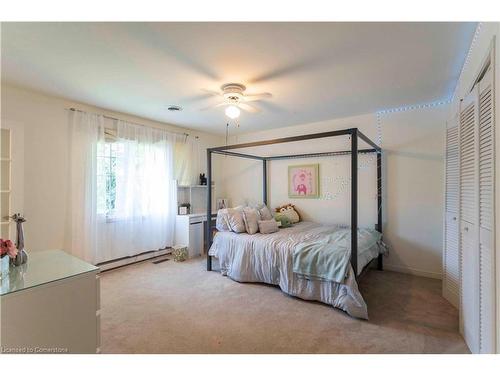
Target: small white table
50, 305
190, 230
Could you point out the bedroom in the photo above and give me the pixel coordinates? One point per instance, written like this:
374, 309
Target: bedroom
188, 188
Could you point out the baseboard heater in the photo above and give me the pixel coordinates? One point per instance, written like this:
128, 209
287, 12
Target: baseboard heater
120, 262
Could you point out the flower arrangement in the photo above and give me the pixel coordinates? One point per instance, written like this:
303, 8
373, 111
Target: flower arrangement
7, 248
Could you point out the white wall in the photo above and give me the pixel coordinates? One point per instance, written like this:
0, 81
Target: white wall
44, 147
488, 36
413, 143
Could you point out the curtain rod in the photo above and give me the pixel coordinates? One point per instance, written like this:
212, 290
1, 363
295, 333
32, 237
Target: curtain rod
135, 123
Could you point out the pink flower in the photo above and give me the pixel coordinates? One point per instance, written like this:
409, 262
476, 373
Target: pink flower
11, 249
7, 247
3, 248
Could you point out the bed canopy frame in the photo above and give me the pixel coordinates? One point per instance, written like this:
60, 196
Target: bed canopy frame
354, 134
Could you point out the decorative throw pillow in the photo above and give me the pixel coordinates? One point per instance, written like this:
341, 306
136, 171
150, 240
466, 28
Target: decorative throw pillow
268, 226
292, 215
221, 223
284, 220
265, 213
251, 218
289, 211
235, 219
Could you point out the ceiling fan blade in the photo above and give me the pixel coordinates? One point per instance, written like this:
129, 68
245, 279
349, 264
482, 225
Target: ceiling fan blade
211, 92
258, 96
213, 106
248, 108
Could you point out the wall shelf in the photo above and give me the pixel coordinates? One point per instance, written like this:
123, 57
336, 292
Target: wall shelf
195, 195
193, 186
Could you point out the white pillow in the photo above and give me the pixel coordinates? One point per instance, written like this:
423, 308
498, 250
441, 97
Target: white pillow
221, 223
235, 219
268, 226
251, 218
265, 213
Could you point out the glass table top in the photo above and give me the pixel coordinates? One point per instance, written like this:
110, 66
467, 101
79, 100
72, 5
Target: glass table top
43, 267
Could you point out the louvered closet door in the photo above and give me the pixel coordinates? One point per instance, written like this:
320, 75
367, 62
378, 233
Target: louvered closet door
469, 217
451, 265
486, 218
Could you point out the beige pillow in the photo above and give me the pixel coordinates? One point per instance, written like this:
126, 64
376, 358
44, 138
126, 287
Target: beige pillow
291, 214
221, 223
235, 219
251, 218
265, 213
268, 226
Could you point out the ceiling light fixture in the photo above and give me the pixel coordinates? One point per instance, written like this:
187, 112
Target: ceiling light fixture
232, 112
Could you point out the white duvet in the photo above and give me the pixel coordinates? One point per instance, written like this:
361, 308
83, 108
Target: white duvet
267, 258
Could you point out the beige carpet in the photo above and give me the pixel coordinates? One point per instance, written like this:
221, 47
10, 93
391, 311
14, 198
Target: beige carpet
181, 308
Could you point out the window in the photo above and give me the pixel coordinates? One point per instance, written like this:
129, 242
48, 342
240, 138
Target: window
107, 155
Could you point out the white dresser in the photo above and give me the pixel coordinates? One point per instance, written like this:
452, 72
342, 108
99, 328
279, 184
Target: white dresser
50, 305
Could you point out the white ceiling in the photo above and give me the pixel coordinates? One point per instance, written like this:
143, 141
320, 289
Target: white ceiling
315, 71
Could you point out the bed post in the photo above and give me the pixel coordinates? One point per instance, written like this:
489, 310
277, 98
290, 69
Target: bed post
264, 181
208, 234
354, 201
380, 263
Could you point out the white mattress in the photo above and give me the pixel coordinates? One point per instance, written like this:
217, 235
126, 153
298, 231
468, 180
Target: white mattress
267, 258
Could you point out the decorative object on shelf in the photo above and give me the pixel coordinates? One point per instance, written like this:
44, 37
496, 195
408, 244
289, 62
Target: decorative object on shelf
180, 253
15, 281
22, 256
203, 179
184, 209
7, 252
303, 181
222, 203
4, 267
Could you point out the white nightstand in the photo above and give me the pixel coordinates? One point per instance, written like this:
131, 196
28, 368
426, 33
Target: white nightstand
190, 232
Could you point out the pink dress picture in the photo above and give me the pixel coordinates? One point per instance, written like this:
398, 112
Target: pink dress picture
303, 181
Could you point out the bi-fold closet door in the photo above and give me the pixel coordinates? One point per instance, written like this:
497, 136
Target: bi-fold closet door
487, 290
475, 215
468, 233
451, 254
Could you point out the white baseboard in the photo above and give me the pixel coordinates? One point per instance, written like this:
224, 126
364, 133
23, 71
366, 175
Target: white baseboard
451, 297
133, 259
413, 271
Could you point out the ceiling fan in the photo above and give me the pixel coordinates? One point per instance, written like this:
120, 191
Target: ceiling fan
234, 98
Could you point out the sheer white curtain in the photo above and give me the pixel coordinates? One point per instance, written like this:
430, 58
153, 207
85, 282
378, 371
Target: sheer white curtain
143, 218
86, 133
187, 160
123, 193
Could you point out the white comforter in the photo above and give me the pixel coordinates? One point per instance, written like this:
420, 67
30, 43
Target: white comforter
267, 258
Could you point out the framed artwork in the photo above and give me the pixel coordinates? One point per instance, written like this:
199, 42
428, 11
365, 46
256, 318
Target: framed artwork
303, 181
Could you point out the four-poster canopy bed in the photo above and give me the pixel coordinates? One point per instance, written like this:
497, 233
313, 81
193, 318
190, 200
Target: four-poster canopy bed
273, 258
354, 134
